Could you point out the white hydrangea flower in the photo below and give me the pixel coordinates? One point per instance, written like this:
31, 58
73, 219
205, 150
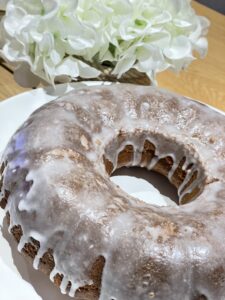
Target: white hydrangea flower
74, 38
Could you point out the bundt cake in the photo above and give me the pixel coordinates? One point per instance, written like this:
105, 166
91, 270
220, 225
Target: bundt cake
94, 240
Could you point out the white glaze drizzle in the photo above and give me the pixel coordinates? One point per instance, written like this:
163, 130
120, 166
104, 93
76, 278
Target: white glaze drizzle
187, 178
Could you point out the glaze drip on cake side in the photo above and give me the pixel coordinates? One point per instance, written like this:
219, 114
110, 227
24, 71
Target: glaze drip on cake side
55, 177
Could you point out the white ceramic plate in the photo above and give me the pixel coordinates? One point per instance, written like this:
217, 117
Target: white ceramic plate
18, 279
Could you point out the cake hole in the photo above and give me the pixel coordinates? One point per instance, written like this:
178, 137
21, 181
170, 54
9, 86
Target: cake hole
184, 171
148, 186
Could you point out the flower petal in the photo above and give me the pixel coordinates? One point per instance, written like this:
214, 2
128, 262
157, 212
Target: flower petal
180, 48
124, 65
86, 71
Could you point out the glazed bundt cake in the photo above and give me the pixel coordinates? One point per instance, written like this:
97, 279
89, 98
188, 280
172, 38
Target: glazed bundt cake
94, 240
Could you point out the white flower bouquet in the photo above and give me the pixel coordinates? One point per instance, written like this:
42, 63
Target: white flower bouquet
63, 40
